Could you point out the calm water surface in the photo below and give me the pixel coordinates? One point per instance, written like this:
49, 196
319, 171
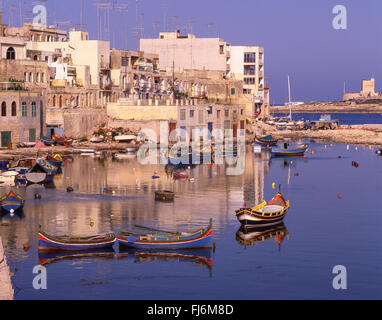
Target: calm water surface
344, 118
293, 262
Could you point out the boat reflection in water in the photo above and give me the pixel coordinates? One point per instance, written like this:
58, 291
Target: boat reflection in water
201, 257
45, 257
255, 235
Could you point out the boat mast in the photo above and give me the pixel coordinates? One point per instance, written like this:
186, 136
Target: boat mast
290, 106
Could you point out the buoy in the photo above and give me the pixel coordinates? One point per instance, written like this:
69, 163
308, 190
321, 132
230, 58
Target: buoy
192, 179
339, 157
273, 185
296, 174
12, 212
113, 192
340, 196
69, 189
347, 147
26, 246
355, 164
312, 152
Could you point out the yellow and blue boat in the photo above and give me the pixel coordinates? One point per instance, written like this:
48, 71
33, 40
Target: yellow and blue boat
289, 152
12, 202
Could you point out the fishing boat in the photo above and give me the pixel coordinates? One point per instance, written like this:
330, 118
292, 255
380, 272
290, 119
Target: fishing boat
266, 213
288, 151
125, 138
52, 243
12, 202
46, 166
61, 140
97, 139
159, 239
47, 141
180, 175
267, 141
55, 160
164, 195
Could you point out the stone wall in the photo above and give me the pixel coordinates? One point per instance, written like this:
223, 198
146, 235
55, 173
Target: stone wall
76, 123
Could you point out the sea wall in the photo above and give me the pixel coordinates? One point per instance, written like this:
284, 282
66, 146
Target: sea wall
6, 288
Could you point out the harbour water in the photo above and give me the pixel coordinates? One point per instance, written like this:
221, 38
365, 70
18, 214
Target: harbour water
334, 219
344, 118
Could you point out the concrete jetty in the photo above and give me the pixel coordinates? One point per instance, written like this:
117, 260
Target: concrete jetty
6, 288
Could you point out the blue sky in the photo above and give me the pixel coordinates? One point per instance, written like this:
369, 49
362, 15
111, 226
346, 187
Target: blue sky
298, 36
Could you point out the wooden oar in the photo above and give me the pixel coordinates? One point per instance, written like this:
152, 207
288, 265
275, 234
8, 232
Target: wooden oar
152, 229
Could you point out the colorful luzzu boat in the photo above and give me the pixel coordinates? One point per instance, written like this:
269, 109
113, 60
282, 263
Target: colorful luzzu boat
12, 202
267, 141
289, 152
201, 238
56, 160
52, 243
266, 213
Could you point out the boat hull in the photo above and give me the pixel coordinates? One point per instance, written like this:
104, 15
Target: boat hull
199, 239
288, 152
46, 243
12, 202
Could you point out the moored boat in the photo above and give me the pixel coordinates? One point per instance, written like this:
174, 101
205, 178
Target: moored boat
266, 141
125, 138
266, 213
55, 160
83, 150
201, 238
287, 151
180, 175
12, 202
52, 243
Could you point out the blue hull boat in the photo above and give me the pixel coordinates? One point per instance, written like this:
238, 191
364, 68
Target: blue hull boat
12, 202
289, 152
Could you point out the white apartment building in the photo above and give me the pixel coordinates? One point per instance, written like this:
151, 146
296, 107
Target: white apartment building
247, 64
178, 52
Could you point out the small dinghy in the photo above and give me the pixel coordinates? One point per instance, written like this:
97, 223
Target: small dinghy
52, 243
159, 239
266, 213
12, 202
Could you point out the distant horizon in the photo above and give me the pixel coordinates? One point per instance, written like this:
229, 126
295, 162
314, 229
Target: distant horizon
299, 39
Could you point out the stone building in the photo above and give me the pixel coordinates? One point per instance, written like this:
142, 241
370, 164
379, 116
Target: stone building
22, 115
367, 92
211, 116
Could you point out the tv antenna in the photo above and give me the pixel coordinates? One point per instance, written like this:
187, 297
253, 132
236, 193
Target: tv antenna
164, 7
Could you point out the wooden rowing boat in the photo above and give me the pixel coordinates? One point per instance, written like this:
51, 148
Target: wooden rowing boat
52, 243
201, 238
289, 152
266, 213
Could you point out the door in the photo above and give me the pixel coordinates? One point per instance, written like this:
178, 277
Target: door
209, 130
235, 130
5, 138
32, 135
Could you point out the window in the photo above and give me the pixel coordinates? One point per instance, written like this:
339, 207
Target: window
221, 49
226, 113
250, 70
192, 112
3, 109
30, 77
125, 61
11, 54
249, 80
241, 111
249, 57
24, 109
233, 91
14, 109
26, 76
182, 114
234, 114
34, 109
227, 124
43, 77
218, 114
38, 77
209, 110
